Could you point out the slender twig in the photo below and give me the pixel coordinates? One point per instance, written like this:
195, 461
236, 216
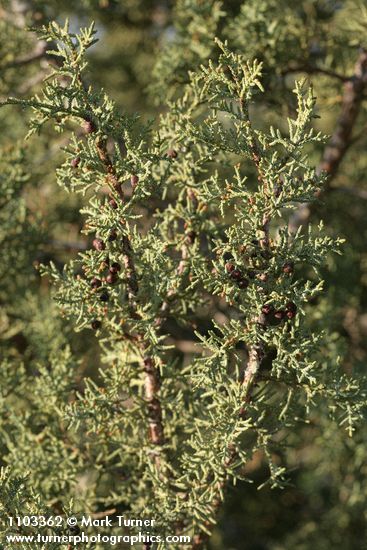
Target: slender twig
151, 371
255, 351
249, 379
152, 380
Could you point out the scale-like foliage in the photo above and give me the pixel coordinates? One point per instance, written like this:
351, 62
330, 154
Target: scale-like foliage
184, 220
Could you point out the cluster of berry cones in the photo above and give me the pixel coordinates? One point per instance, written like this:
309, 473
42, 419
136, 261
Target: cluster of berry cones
289, 311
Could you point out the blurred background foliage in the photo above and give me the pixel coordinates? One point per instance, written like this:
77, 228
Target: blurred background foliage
145, 51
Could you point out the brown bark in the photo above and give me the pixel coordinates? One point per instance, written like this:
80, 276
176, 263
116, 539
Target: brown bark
255, 352
340, 141
151, 372
152, 386
250, 375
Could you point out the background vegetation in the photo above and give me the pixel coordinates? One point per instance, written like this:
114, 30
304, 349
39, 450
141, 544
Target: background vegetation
145, 52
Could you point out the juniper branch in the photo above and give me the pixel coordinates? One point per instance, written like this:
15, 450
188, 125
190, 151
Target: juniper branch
152, 378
